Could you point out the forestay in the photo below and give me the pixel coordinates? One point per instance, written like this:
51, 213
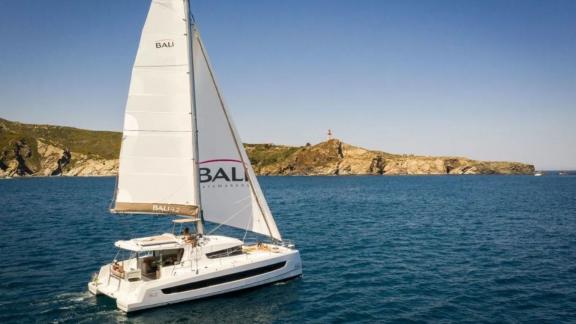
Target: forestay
156, 172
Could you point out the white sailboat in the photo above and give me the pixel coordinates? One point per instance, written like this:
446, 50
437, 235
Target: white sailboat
181, 156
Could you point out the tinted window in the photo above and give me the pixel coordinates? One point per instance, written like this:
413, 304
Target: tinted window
237, 250
224, 279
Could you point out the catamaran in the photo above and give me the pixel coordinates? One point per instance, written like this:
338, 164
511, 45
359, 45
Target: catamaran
181, 156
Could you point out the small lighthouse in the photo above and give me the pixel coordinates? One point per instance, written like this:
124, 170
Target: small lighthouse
330, 136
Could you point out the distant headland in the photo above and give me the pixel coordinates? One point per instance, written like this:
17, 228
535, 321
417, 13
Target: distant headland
45, 150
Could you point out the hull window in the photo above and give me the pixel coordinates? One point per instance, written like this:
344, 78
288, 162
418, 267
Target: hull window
224, 279
237, 250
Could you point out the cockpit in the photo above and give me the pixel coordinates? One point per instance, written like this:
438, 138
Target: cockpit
144, 258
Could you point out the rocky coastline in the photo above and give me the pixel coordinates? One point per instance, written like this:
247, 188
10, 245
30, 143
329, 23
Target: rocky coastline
44, 150
334, 157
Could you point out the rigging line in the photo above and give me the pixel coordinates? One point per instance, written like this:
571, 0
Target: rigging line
245, 233
197, 256
241, 200
228, 219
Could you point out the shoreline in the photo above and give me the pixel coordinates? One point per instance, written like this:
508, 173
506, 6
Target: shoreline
296, 175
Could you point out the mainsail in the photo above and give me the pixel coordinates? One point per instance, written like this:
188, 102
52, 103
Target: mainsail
158, 172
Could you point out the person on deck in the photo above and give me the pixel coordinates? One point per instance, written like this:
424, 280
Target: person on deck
188, 238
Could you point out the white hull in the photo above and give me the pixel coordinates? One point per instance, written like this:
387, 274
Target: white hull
204, 277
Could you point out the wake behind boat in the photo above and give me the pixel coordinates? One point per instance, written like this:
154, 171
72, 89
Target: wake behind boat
181, 156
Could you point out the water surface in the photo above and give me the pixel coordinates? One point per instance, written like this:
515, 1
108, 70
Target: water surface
375, 249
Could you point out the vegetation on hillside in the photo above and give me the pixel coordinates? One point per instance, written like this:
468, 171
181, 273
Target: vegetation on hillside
262, 155
101, 144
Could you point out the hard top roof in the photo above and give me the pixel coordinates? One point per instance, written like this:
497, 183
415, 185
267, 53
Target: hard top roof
151, 243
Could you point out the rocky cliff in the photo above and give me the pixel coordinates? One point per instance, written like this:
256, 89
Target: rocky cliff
43, 150
337, 158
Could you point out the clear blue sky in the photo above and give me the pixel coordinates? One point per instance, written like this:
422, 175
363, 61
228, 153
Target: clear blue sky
492, 80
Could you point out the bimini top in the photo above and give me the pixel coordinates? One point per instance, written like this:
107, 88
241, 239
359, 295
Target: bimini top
151, 243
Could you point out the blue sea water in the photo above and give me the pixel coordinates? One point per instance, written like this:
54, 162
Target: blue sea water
374, 249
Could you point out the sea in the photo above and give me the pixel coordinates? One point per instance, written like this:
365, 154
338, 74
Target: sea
375, 249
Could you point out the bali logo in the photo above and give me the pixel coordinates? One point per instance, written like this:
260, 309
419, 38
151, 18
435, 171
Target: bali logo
229, 173
164, 43
165, 208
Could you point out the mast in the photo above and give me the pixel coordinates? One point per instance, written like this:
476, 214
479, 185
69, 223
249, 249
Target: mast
195, 154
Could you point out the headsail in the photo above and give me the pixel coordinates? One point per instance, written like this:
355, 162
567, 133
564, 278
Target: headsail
156, 161
231, 194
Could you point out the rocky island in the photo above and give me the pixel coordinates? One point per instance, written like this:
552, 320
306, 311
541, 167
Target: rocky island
44, 150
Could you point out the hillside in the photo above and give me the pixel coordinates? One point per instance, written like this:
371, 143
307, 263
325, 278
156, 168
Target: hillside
43, 150
46, 150
334, 157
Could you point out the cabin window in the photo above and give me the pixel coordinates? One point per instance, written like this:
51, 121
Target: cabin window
145, 254
169, 257
224, 279
237, 250
151, 261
